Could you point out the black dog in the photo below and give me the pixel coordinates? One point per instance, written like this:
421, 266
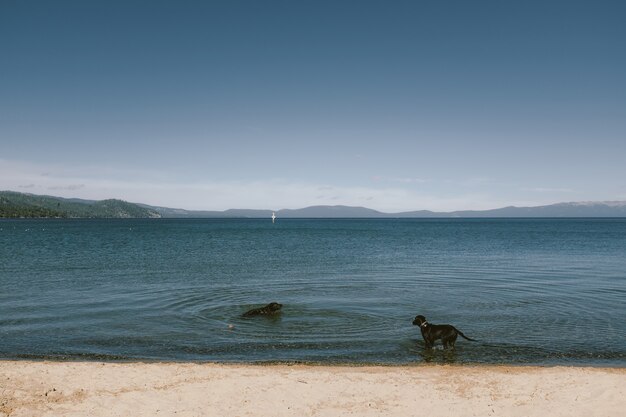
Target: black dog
268, 310
432, 332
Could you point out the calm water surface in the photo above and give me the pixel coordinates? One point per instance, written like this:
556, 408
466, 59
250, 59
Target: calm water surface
540, 291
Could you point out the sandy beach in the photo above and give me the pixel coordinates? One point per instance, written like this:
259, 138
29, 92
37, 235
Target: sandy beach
186, 389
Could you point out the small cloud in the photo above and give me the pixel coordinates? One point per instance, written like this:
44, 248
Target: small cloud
470, 182
71, 187
408, 180
26, 186
548, 190
403, 180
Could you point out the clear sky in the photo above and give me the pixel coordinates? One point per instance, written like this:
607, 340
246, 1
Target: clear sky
392, 105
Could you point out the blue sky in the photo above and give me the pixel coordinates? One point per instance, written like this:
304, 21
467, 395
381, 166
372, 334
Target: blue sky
393, 105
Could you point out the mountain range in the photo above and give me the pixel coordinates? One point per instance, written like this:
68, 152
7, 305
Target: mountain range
21, 205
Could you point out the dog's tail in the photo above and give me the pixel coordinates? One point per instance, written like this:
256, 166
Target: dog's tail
465, 337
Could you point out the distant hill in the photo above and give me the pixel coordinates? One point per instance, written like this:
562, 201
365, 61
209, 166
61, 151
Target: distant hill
20, 205
174, 213
331, 211
574, 209
308, 212
13, 204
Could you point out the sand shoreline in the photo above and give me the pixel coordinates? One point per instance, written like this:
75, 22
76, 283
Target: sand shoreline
69, 388
311, 364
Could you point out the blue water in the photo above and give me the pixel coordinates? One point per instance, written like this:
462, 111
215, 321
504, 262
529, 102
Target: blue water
532, 291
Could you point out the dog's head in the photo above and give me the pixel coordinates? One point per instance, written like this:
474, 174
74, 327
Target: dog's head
419, 320
274, 306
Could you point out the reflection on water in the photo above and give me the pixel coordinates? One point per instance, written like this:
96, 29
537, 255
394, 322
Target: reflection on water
439, 355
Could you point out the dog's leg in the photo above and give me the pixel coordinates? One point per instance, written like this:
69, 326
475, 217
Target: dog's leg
428, 344
428, 340
449, 340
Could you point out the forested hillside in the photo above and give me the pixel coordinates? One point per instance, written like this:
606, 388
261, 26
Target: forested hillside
20, 205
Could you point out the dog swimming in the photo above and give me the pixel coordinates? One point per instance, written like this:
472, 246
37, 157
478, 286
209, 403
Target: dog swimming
269, 310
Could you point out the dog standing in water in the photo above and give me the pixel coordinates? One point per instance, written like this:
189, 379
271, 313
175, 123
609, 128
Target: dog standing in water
432, 332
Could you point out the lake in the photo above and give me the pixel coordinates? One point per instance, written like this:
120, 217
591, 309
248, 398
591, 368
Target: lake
531, 291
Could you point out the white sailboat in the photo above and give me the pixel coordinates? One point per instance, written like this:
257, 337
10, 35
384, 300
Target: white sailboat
273, 217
